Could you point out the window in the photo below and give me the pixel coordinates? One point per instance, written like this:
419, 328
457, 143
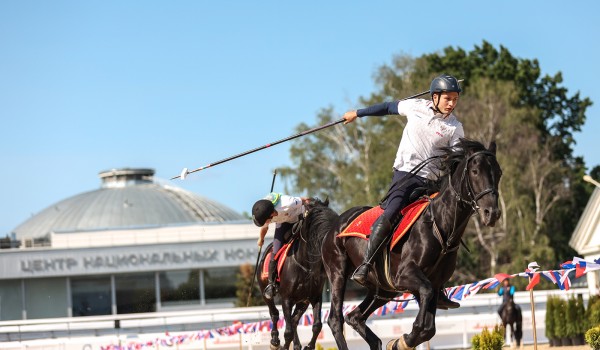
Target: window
91, 296
11, 300
135, 293
219, 285
179, 287
46, 297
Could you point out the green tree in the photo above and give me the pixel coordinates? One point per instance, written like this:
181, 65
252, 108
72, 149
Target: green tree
244, 280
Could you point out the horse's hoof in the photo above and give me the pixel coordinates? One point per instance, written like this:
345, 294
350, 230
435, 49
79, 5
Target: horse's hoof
274, 346
391, 345
398, 344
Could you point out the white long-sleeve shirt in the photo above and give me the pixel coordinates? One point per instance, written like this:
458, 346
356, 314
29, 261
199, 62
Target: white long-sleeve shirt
289, 208
425, 132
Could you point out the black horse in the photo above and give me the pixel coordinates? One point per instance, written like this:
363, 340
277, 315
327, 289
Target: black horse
425, 258
511, 317
302, 276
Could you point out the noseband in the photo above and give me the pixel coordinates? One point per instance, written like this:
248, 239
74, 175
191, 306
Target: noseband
471, 197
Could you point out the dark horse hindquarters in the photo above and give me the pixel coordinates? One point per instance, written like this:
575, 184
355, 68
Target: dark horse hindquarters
420, 264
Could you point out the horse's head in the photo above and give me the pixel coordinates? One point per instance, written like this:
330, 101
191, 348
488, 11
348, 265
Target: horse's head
315, 202
319, 219
476, 175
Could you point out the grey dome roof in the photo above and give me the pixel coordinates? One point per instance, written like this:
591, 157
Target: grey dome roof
127, 198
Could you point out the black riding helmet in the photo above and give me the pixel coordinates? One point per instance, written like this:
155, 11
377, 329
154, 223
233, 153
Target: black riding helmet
261, 211
443, 83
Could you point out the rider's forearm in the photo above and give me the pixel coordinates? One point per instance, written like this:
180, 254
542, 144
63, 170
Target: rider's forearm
379, 109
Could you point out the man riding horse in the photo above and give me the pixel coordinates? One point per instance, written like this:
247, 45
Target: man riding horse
506, 292
285, 211
430, 125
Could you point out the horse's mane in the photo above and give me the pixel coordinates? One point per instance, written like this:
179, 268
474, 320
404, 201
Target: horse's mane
451, 157
319, 221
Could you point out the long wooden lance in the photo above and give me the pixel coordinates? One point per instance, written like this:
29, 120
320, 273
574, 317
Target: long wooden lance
185, 172
254, 276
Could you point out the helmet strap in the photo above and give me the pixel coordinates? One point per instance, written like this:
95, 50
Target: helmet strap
436, 104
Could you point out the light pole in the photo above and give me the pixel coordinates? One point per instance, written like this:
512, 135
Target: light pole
591, 180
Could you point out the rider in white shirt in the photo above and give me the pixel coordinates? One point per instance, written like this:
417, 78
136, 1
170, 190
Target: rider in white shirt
284, 211
430, 125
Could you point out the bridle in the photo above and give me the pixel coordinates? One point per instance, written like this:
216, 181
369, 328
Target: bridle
471, 197
449, 245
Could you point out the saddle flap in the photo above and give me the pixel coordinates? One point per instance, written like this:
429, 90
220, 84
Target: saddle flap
279, 257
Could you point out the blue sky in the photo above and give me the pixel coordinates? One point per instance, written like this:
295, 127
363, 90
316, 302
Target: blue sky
87, 86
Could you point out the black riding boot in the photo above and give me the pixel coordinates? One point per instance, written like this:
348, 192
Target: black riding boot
379, 232
444, 303
271, 288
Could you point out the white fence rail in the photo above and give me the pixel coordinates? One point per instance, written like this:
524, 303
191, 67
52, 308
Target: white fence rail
455, 328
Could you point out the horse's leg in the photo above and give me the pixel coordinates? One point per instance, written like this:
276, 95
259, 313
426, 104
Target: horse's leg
413, 279
519, 325
512, 334
336, 316
317, 324
299, 310
274, 319
336, 266
357, 319
288, 334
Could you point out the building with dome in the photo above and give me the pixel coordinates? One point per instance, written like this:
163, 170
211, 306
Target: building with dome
131, 246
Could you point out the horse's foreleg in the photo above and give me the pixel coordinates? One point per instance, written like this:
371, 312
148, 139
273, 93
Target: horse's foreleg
274, 319
288, 334
317, 324
357, 319
299, 310
336, 266
418, 284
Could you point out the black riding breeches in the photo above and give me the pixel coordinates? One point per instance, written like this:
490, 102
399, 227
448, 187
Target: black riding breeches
280, 236
398, 196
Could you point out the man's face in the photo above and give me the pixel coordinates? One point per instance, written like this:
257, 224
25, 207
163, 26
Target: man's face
446, 101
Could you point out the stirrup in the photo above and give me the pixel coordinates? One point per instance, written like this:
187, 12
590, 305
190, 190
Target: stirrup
361, 273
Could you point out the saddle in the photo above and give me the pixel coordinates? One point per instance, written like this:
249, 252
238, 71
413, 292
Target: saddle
360, 227
282, 254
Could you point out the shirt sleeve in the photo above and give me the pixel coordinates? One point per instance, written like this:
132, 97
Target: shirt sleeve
379, 109
459, 133
290, 203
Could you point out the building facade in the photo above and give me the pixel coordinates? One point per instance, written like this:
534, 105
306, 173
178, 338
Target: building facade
586, 238
131, 246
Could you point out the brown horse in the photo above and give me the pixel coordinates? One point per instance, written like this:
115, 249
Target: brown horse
301, 276
425, 258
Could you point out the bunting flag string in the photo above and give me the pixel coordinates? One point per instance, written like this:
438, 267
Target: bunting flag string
559, 277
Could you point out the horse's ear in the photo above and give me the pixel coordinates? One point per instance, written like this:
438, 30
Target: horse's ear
492, 147
326, 201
